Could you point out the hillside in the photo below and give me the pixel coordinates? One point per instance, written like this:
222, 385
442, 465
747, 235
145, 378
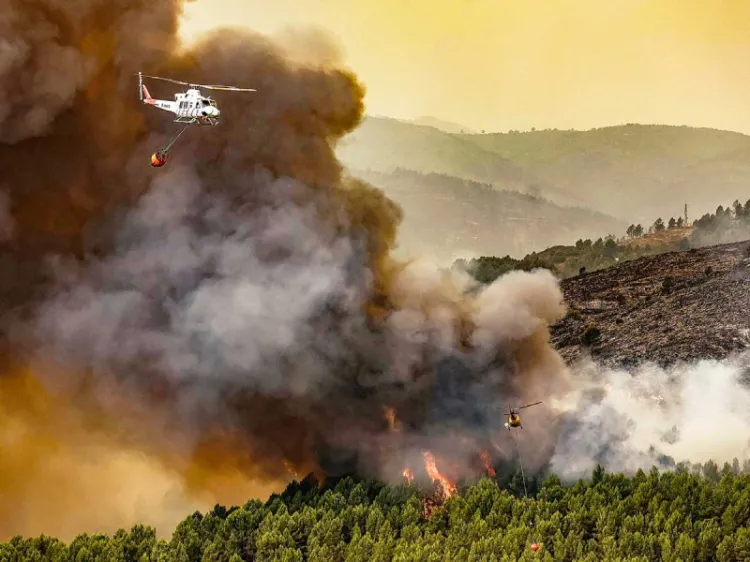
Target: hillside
633, 169
446, 217
668, 308
660, 239
383, 145
446, 126
633, 172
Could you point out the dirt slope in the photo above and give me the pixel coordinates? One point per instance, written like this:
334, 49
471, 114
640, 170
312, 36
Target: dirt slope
668, 308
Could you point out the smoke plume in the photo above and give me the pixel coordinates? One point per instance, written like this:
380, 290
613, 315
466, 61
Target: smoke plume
206, 331
235, 318
627, 421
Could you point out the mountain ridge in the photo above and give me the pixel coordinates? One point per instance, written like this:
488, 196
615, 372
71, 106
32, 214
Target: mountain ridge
442, 124
447, 217
633, 172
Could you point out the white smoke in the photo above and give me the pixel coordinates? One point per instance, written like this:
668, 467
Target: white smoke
188, 293
653, 416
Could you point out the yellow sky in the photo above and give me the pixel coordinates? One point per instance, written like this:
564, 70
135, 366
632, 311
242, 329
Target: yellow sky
502, 64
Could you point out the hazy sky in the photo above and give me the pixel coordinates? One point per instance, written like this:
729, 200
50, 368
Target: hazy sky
501, 64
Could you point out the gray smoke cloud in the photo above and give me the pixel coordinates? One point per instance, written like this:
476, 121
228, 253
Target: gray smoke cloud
187, 290
257, 321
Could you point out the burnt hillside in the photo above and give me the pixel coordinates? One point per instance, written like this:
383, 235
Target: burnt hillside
668, 308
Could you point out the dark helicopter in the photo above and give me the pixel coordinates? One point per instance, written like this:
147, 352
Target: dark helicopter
514, 420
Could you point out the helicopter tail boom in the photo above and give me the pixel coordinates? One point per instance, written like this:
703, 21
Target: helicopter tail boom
143, 92
146, 96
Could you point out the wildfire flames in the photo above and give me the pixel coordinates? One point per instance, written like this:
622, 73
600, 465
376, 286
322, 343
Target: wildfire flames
409, 475
444, 487
488, 464
393, 423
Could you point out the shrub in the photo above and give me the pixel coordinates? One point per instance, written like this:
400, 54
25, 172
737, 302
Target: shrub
618, 297
591, 335
667, 284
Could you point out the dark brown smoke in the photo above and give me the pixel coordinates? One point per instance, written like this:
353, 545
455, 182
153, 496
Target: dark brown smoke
234, 316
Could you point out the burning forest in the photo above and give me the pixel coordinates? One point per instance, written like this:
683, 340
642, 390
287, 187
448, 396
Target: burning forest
440, 487
237, 314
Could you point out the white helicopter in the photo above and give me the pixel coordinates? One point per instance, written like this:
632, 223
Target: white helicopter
189, 107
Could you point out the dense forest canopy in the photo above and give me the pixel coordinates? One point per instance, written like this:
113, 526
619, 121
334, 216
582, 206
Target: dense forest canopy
693, 514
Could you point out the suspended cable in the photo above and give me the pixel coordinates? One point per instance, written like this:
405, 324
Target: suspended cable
520, 464
159, 158
174, 139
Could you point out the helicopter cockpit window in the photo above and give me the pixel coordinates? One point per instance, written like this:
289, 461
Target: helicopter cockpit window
205, 103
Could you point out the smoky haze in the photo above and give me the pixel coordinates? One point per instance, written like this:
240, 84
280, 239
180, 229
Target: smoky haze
233, 319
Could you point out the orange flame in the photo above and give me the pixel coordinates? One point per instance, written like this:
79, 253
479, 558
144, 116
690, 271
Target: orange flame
393, 423
288, 465
445, 487
408, 474
488, 464
429, 507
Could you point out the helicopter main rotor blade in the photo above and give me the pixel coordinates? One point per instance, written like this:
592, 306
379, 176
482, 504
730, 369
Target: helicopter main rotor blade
207, 86
167, 80
228, 88
529, 405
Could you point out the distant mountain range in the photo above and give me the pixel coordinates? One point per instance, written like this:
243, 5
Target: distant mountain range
445, 126
447, 217
632, 172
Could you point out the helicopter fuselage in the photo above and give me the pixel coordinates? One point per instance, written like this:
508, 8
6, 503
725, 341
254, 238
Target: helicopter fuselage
188, 107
